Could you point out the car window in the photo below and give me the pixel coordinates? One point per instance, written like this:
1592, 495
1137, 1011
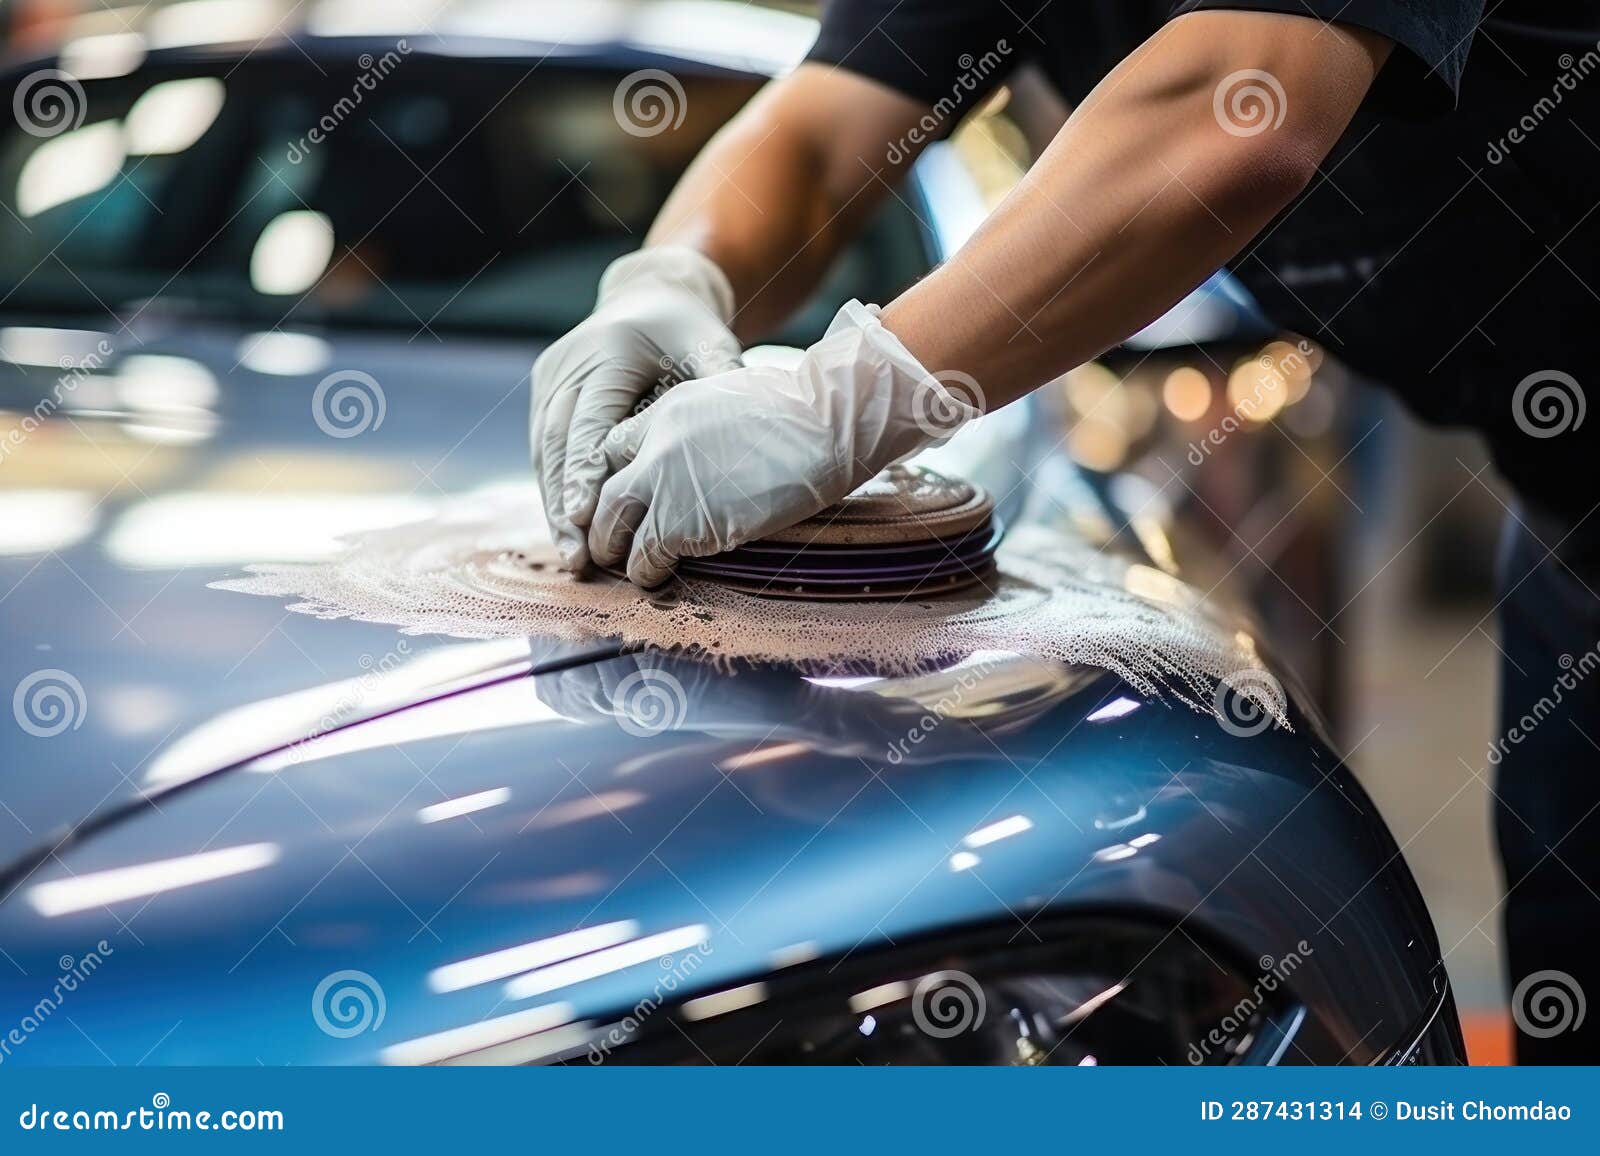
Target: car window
457, 194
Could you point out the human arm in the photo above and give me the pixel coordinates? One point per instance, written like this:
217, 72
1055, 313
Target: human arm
744, 237
1156, 180
1167, 171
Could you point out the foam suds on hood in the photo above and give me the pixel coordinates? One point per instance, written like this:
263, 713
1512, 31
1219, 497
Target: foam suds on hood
484, 568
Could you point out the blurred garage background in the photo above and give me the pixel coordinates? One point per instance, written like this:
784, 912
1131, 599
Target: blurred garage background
1363, 540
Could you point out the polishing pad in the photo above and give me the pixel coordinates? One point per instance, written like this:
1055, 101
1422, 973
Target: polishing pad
907, 532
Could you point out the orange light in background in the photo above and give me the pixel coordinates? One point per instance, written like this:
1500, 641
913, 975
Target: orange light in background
1123, 409
1139, 406
1257, 391
1297, 364
1097, 443
1089, 387
1187, 393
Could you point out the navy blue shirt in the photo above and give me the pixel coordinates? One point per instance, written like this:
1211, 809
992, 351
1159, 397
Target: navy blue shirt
1450, 245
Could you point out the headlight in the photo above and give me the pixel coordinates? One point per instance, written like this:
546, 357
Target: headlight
1093, 992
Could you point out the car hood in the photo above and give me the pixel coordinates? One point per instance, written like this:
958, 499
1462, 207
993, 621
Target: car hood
142, 466
766, 820
171, 461
165, 815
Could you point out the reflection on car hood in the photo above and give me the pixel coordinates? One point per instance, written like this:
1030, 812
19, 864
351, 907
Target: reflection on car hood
174, 463
763, 820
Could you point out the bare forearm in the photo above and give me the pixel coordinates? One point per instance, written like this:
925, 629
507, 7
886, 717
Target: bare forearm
1139, 198
777, 193
751, 204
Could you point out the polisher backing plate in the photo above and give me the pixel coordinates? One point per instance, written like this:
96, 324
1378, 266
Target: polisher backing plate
907, 532
842, 562
860, 591
902, 504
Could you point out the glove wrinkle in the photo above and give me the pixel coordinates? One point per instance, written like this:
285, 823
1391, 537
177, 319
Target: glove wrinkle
736, 456
661, 309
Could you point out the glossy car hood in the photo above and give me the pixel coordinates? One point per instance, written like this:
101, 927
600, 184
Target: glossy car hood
181, 454
774, 820
473, 797
174, 463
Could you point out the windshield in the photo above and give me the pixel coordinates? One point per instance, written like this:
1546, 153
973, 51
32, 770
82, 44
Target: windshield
403, 190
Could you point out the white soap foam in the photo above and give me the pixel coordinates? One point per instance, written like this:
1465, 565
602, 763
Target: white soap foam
484, 568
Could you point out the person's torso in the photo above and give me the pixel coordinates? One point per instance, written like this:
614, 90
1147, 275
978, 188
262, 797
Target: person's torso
1449, 254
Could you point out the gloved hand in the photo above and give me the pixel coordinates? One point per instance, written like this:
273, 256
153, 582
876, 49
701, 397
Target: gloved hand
662, 314
723, 460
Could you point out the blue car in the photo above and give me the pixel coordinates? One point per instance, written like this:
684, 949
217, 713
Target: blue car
233, 834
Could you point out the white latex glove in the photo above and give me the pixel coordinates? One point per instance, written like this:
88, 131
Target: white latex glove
662, 315
723, 460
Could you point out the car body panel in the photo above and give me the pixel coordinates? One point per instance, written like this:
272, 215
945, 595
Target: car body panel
125, 607
768, 836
